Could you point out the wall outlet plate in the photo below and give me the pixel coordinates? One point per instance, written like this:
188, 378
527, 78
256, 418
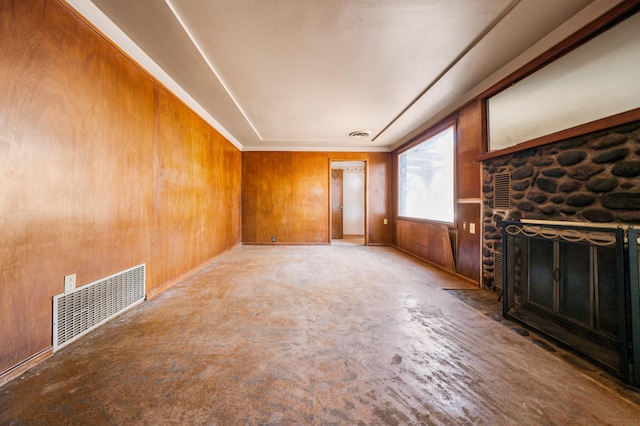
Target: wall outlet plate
273, 239
69, 282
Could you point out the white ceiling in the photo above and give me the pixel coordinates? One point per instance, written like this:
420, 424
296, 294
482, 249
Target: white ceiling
303, 74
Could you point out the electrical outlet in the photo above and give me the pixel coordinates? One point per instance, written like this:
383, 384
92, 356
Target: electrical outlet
472, 228
69, 282
273, 239
386, 221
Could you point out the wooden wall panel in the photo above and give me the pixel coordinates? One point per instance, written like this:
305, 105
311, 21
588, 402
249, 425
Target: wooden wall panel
469, 148
79, 192
266, 196
286, 194
76, 166
379, 189
310, 189
468, 259
428, 241
196, 191
413, 238
469, 183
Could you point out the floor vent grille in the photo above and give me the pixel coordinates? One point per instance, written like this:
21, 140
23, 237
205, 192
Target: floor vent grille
77, 312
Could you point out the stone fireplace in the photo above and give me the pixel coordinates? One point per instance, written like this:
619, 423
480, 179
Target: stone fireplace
591, 180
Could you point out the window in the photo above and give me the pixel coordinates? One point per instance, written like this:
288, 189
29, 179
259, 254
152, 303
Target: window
426, 182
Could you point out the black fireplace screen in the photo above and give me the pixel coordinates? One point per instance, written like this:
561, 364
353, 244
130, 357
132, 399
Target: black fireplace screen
572, 283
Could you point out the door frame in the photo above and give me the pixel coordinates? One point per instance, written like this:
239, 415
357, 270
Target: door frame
366, 195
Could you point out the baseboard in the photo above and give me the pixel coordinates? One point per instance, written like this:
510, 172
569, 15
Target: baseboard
173, 281
22, 367
440, 267
284, 244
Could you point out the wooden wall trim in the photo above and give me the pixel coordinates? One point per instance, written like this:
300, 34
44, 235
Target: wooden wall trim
593, 126
311, 243
435, 265
586, 33
22, 367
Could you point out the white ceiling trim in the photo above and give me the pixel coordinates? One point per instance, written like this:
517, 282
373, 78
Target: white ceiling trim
323, 148
444, 72
211, 67
94, 15
581, 19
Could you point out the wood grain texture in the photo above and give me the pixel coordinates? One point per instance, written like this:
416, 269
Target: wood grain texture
427, 241
286, 195
469, 147
80, 189
468, 259
379, 190
337, 203
196, 191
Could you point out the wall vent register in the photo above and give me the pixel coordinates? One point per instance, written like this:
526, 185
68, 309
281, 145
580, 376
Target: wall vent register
77, 312
502, 191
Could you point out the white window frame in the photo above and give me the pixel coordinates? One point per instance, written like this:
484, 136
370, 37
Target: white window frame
432, 182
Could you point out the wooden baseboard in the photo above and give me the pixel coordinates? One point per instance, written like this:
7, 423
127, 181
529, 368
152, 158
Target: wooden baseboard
22, 367
435, 265
284, 244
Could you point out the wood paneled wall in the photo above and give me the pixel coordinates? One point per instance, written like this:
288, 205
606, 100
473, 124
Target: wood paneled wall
469, 146
427, 240
196, 191
286, 195
102, 169
469, 183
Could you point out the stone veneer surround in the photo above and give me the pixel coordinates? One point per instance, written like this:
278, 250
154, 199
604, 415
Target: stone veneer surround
591, 178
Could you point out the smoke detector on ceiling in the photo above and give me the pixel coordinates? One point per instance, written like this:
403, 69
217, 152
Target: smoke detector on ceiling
360, 134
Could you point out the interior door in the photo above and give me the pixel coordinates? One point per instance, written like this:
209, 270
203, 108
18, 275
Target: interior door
336, 204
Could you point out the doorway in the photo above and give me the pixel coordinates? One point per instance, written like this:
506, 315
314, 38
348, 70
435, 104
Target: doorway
348, 203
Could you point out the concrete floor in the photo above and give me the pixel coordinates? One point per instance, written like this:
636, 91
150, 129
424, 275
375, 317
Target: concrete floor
312, 335
349, 240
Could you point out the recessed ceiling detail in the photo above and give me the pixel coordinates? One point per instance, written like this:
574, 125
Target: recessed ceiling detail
273, 73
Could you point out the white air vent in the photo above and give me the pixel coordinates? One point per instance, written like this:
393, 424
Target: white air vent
498, 272
501, 191
77, 312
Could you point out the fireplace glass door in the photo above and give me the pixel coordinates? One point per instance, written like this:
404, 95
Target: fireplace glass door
575, 282
569, 283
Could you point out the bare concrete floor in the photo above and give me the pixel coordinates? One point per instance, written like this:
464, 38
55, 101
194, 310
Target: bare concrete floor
349, 240
312, 335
